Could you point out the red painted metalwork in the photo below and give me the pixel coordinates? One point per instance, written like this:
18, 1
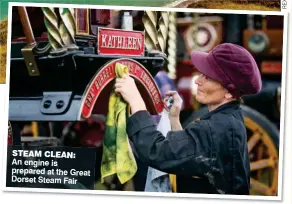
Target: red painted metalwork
120, 42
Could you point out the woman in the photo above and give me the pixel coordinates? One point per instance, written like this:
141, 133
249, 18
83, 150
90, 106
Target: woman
210, 153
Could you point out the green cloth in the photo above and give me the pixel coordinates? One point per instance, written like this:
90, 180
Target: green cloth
117, 155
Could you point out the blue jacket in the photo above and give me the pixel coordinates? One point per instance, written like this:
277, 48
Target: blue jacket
209, 156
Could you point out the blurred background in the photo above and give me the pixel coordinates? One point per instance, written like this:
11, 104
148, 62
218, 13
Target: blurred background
182, 32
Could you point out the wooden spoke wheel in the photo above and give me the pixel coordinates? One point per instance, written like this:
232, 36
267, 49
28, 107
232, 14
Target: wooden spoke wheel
263, 148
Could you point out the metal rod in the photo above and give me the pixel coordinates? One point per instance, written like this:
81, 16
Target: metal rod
26, 25
172, 41
162, 33
150, 22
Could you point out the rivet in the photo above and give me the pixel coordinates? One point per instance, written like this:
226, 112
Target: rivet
60, 104
47, 104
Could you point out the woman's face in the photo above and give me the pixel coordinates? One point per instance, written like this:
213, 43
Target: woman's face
210, 92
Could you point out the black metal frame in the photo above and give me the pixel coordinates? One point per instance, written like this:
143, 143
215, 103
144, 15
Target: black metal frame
56, 94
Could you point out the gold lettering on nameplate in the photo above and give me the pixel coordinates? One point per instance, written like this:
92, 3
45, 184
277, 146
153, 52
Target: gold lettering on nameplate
103, 40
87, 103
134, 69
110, 45
121, 42
134, 43
151, 87
139, 40
125, 46
156, 97
105, 76
102, 77
107, 73
129, 43
96, 84
90, 98
143, 76
99, 80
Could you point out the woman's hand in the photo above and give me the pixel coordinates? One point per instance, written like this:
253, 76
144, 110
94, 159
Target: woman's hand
127, 88
175, 109
176, 106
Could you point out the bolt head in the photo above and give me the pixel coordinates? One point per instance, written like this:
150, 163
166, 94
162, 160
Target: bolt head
47, 104
60, 104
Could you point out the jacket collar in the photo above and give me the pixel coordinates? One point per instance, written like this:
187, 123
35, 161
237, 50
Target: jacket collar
225, 108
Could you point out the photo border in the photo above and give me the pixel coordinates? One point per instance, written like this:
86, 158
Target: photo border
154, 194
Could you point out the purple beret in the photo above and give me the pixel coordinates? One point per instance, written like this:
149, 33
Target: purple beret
232, 66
